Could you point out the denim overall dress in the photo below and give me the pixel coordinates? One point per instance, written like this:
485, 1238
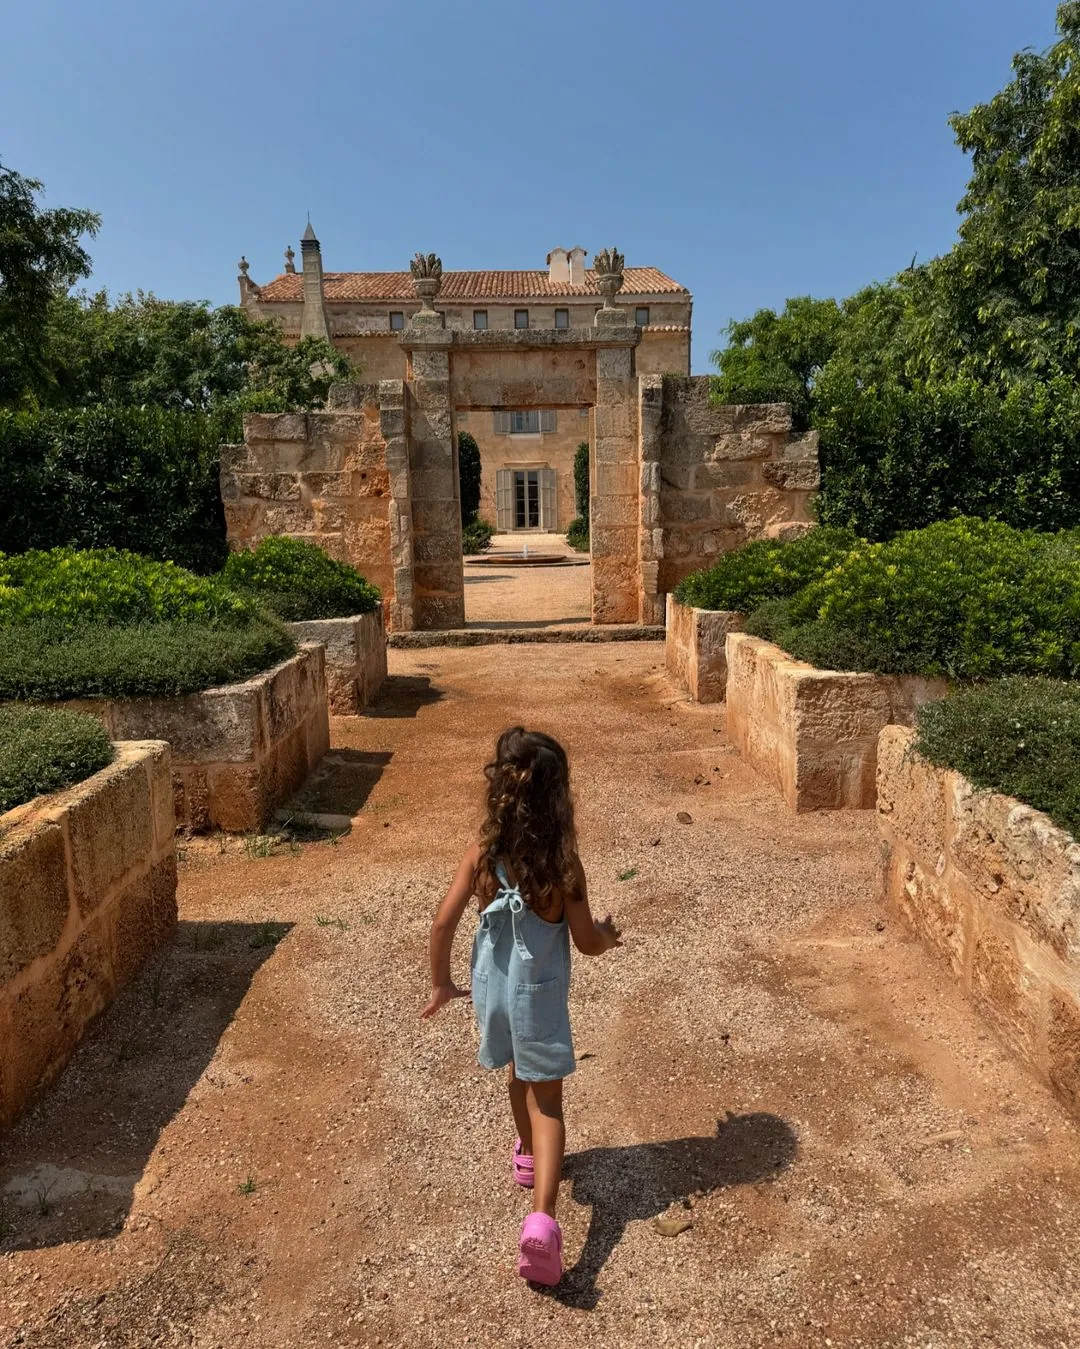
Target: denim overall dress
520, 987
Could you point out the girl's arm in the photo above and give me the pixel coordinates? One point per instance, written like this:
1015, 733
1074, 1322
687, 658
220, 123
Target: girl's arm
591, 937
443, 988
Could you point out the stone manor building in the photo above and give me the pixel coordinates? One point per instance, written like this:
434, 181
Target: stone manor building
527, 453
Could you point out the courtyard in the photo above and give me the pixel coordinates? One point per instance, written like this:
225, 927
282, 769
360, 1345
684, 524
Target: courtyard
519, 596
259, 1143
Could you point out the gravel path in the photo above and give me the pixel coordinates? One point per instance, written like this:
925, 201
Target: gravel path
261, 1144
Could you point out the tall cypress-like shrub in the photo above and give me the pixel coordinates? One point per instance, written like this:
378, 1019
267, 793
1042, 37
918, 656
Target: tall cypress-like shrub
468, 475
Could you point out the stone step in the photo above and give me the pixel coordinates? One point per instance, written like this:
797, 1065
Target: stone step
584, 632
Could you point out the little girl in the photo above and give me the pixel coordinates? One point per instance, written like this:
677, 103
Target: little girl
528, 878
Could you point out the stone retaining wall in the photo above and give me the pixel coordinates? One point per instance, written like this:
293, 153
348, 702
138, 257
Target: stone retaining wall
814, 733
355, 657
87, 894
993, 886
695, 649
237, 750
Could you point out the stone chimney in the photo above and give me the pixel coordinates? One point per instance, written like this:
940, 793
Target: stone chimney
558, 267
313, 323
577, 266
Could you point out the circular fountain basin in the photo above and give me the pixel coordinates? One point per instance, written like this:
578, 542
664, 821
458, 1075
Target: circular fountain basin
531, 560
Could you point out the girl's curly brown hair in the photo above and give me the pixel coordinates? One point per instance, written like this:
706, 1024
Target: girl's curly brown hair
530, 818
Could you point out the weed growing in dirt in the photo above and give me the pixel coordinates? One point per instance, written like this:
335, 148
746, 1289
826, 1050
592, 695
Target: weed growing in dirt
628, 874
41, 1194
247, 1187
339, 923
268, 933
156, 986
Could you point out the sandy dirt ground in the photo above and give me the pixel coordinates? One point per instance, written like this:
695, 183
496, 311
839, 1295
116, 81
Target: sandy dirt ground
260, 1144
523, 597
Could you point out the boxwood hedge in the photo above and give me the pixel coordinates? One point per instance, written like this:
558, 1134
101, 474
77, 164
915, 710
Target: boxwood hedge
44, 749
766, 569
296, 580
113, 624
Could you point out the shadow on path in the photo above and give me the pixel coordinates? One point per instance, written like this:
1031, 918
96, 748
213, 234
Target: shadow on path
642, 1180
404, 696
70, 1165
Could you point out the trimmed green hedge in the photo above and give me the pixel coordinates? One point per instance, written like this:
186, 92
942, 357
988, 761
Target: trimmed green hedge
44, 749
70, 587
967, 599
112, 477
1017, 736
297, 580
110, 624
763, 570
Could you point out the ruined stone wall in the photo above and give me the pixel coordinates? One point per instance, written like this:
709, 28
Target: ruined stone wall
727, 475
320, 476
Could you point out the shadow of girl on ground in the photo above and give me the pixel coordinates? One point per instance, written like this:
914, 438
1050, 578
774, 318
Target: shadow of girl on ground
642, 1180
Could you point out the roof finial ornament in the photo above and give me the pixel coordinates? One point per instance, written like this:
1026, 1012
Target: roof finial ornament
608, 266
243, 264
290, 260
426, 269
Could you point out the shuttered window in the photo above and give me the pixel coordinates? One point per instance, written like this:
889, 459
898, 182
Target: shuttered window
525, 498
504, 498
525, 422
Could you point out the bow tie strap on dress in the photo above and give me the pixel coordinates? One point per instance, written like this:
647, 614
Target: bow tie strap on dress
509, 898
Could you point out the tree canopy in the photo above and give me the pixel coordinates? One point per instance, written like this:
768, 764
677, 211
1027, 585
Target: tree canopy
41, 256
953, 387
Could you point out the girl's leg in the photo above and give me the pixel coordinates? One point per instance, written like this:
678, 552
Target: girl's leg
519, 1106
548, 1143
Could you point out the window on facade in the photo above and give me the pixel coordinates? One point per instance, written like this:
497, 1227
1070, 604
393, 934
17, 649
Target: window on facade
641, 315
521, 318
562, 318
479, 319
525, 498
397, 320
525, 422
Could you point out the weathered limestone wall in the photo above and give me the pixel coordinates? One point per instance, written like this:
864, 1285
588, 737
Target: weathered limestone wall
664, 352
695, 649
814, 733
87, 894
993, 887
727, 475
237, 751
355, 657
320, 476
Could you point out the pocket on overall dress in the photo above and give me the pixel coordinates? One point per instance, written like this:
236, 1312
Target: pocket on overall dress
479, 990
539, 1011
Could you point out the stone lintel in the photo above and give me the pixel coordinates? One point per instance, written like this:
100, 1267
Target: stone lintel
516, 339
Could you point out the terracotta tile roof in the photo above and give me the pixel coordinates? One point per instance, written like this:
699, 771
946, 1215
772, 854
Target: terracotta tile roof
343, 286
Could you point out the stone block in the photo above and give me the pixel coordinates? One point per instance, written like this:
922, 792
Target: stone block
683, 508
355, 658
1022, 865
110, 829
435, 612
142, 919
280, 426
1005, 988
726, 474
608, 511
812, 733
34, 894
695, 649
800, 474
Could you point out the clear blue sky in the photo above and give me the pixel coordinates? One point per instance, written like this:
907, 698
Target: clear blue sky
753, 149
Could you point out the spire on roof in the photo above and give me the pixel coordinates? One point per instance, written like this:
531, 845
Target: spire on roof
309, 236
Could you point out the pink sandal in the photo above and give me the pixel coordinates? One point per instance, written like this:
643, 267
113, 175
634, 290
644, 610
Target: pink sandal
540, 1258
522, 1166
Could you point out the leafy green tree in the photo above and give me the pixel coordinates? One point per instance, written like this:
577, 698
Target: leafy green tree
41, 255
184, 355
775, 358
1005, 301
468, 476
